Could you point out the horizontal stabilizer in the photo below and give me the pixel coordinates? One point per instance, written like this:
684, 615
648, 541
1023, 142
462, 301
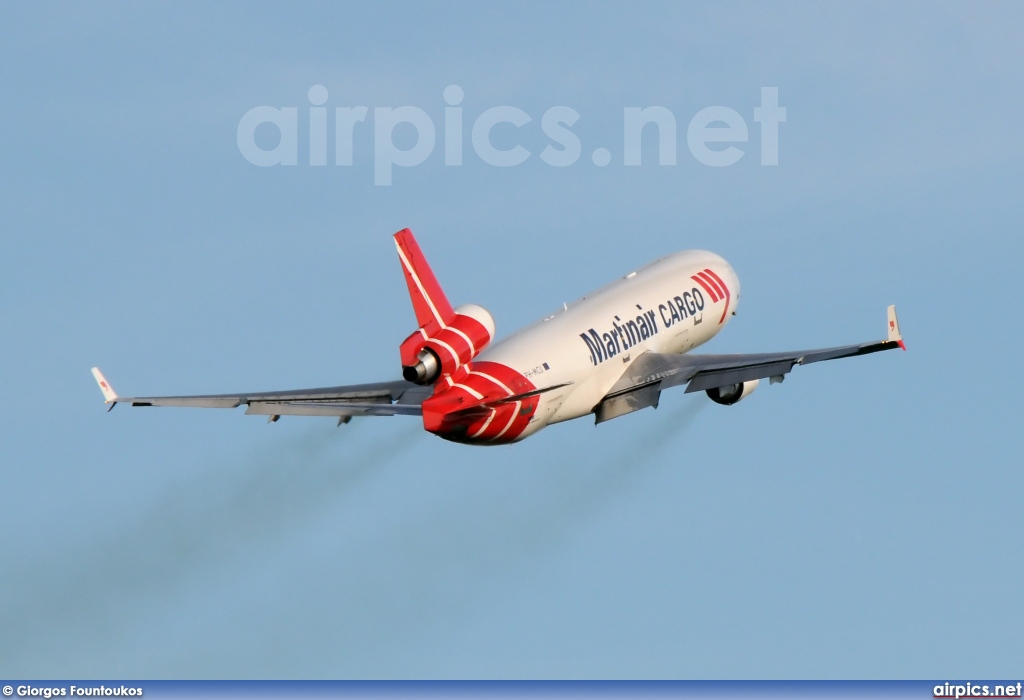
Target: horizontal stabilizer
525, 395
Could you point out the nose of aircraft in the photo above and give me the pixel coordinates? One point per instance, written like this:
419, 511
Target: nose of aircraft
734, 285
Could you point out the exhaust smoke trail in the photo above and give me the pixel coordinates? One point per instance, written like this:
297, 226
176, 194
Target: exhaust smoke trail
199, 526
355, 608
376, 602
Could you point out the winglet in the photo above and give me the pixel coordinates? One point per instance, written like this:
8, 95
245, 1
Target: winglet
109, 395
428, 299
894, 328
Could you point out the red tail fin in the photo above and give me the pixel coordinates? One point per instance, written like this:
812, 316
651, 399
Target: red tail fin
428, 299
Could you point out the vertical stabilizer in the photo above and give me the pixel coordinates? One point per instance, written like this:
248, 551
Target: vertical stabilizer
428, 299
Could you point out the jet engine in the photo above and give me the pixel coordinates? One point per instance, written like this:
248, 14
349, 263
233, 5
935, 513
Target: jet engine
732, 393
435, 350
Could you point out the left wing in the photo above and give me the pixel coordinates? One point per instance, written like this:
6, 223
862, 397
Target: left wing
642, 383
377, 399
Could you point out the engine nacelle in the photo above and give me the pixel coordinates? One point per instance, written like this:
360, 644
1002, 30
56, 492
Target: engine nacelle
733, 393
435, 350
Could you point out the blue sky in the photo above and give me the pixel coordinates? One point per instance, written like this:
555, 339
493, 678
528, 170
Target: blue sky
862, 520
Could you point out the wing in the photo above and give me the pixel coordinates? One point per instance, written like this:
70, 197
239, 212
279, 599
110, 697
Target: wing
377, 399
641, 384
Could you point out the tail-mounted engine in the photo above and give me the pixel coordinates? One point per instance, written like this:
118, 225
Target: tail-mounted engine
447, 338
733, 393
434, 351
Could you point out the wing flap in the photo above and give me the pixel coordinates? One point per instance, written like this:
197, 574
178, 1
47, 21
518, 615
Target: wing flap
381, 392
620, 405
336, 409
186, 401
705, 380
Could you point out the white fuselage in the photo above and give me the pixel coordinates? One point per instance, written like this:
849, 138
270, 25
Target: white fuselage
589, 344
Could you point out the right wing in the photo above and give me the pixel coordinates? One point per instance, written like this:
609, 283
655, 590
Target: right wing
377, 399
641, 384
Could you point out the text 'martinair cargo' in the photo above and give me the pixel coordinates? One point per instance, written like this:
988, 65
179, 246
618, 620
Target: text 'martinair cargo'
714, 135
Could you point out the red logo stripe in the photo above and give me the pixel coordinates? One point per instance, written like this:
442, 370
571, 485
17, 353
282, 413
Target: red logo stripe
707, 278
725, 312
708, 289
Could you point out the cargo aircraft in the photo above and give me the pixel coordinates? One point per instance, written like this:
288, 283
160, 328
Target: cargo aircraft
610, 353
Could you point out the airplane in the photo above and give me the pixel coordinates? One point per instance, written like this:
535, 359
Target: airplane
610, 353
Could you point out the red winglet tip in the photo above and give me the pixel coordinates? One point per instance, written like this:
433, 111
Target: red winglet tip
902, 345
